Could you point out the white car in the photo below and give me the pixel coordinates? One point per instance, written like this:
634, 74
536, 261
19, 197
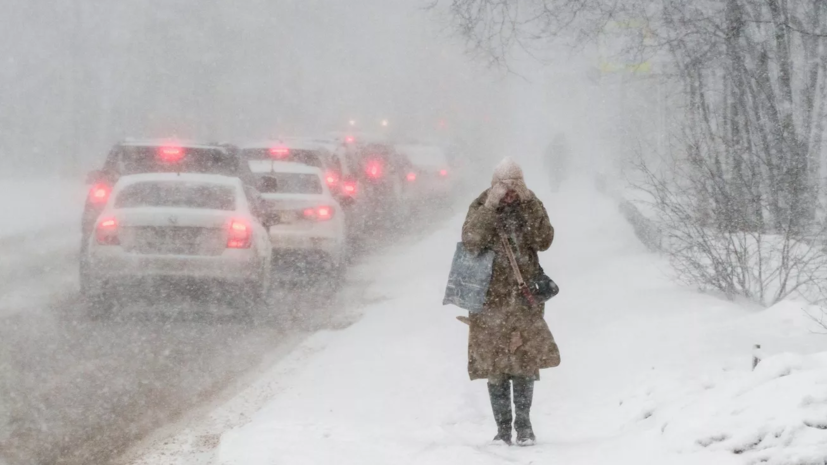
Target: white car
303, 216
168, 226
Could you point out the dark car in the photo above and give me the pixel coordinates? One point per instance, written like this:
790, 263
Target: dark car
380, 173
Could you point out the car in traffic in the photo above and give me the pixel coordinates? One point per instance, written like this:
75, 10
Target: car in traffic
163, 228
344, 166
306, 221
430, 175
156, 156
379, 175
301, 150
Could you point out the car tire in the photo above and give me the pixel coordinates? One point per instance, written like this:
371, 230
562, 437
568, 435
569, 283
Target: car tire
83, 276
255, 297
99, 304
96, 297
264, 287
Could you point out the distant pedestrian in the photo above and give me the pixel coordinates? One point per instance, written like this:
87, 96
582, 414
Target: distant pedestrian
556, 161
509, 341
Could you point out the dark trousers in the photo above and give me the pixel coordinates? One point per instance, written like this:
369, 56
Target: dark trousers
499, 389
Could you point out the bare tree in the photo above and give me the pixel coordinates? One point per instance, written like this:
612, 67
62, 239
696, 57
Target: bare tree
738, 197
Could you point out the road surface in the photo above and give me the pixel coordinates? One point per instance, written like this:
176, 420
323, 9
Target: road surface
77, 390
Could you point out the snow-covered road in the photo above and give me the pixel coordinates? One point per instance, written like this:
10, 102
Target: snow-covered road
39, 238
652, 372
77, 391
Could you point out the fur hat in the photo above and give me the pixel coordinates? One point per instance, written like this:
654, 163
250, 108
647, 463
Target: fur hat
508, 172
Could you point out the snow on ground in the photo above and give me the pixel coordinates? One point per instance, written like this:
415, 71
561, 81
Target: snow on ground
39, 239
33, 205
652, 372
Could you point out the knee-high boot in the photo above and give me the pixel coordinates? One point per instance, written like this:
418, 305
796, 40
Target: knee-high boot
523, 395
501, 405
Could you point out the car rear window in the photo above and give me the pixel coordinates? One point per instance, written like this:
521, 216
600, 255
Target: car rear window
139, 160
290, 183
380, 152
305, 157
177, 194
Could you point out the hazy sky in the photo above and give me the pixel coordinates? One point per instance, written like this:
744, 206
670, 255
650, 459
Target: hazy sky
81, 74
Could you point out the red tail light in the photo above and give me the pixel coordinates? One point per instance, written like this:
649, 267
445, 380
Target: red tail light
107, 232
374, 169
411, 177
349, 187
240, 235
331, 178
443, 173
279, 152
170, 154
322, 213
350, 139
99, 193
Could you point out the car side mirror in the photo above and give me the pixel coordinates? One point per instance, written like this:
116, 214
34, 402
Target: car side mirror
95, 176
268, 219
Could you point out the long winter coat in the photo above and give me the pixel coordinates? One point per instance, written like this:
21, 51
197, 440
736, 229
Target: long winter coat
509, 336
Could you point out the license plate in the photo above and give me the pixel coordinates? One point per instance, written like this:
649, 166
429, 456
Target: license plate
169, 240
288, 216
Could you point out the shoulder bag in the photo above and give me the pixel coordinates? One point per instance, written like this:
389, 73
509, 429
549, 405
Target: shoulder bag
540, 288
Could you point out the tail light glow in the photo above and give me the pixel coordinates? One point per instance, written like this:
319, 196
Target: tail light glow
240, 235
411, 177
331, 178
374, 169
322, 213
279, 152
107, 232
99, 193
170, 154
350, 139
349, 187
443, 173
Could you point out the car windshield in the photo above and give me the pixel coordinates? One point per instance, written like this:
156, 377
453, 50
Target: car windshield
305, 157
290, 183
177, 194
146, 159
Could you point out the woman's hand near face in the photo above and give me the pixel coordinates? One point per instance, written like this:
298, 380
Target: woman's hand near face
496, 195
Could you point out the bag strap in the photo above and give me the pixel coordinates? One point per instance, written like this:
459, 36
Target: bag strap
511, 259
514, 267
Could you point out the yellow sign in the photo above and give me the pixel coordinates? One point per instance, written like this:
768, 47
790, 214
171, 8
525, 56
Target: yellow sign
620, 44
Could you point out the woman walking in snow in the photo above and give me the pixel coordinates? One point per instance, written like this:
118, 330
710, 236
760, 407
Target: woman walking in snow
509, 341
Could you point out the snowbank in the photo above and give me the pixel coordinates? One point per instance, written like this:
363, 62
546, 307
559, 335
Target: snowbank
776, 414
39, 240
33, 205
652, 373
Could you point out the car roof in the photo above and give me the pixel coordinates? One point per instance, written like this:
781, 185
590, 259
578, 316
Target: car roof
289, 142
189, 144
184, 177
266, 166
359, 137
